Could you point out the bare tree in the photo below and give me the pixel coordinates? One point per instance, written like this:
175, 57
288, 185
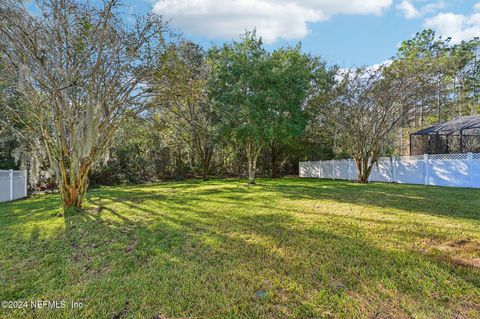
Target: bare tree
80, 69
365, 110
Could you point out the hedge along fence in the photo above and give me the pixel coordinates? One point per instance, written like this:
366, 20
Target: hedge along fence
455, 170
13, 185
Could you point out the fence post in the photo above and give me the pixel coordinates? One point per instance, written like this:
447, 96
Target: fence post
394, 170
470, 169
10, 174
426, 170
333, 169
320, 169
26, 181
349, 170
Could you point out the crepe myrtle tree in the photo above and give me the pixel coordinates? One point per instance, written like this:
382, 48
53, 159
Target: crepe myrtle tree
80, 69
365, 109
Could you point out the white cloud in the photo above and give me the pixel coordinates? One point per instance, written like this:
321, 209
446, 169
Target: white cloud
477, 6
273, 19
432, 7
409, 11
457, 26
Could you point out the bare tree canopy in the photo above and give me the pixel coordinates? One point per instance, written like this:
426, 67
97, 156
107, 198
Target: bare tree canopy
365, 110
79, 69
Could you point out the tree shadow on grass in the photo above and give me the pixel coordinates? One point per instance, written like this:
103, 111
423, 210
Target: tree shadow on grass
432, 200
157, 255
36, 209
269, 252
436, 201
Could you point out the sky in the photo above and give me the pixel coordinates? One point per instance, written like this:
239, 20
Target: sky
348, 33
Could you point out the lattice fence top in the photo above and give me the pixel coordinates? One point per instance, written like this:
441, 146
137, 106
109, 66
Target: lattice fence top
441, 157
446, 157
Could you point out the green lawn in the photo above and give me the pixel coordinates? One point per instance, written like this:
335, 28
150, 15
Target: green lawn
286, 248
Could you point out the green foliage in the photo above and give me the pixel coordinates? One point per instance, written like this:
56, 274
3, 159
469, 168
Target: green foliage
444, 77
182, 106
8, 144
291, 73
213, 111
261, 97
136, 155
239, 84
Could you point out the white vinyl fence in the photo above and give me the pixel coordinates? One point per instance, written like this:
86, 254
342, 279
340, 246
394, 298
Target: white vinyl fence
13, 185
455, 170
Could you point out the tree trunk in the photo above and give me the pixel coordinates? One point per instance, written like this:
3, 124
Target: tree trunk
364, 168
206, 159
253, 150
274, 165
274, 150
73, 195
252, 167
73, 186
205, 172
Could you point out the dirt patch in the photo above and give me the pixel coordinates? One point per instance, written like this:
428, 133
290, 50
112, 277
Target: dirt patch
461, 252
475, 262
132, 246
123, 312
459, 243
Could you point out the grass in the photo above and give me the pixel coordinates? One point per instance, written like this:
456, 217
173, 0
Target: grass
287, 248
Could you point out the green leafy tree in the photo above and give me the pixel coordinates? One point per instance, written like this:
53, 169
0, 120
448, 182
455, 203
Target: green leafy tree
183, 105
440, 78
240, 86
464, 89
295, 78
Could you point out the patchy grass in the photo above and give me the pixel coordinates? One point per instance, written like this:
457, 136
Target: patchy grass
286, 248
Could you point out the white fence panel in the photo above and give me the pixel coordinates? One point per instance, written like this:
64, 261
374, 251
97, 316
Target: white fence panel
4, 186
353, 170
475, 171
321, 171
410, 170
341, 169
19, 184
448, 170
305, 169
382, 171
455, 170
327, 169
13, 185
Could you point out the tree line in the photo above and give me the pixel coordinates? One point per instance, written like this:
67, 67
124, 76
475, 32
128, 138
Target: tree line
96, 97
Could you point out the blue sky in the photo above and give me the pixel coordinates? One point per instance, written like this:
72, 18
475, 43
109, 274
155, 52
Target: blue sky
345, 32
